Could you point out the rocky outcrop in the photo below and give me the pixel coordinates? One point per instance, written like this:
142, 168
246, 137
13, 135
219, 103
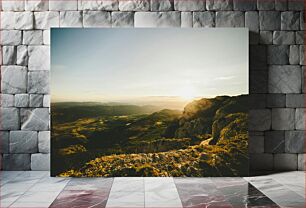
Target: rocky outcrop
210, 116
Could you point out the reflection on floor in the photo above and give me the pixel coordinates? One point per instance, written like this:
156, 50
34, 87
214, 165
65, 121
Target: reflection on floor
37, 189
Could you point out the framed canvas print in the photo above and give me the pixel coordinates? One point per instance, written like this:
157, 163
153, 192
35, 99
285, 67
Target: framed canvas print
149, 102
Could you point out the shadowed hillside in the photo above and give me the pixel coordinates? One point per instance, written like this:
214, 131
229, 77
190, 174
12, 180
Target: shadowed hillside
209, 138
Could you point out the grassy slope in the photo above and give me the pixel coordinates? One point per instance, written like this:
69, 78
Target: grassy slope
167, 144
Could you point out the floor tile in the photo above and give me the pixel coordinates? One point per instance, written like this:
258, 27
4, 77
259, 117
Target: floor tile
38, 190
7, 176
295, 181
79, 198
50, 184
22, 204
101, 184
38, 196
15, 187
163, 198
128, 185
199, 193
277, 192
158, 183
125, 200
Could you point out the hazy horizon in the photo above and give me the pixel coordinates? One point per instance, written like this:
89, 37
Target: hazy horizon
162, 66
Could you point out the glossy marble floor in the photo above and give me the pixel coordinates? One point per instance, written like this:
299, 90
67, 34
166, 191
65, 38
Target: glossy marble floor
37, 189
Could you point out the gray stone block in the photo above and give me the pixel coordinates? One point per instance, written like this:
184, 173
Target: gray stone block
258, 81
283, 118
44, 141
285, 79
294, 54
274, 141
38, 82
299, 37
281, 5
266, 37
261, 162
302, 56
295, 101
22, 55
4, 141
257, 101
296, 5
10, 37
290, 21
283, 37
40, 162
16, 162
258, 56
259, 120
162, 5
63, 5
71, 19
253, 38
245, 5
46, 37
32, 37
36, 100
9, 119
301, 161
13, 6
252, 22
195, 5
24, 20
303, 79
7, 22
37, 5
98, 5
134, 5
203, 19
97, 19
302, 20
265, 5
39, 58
256, 144
256, 133
13, 79
35, 120
186, 19
9, 55
285, 162
21, 100
294, 141
122, 19
45, 20
278, 54
269, 20
229, 19
46, 101
157, 19
300, 119
23, 142
6, 100
276, 100
222, 5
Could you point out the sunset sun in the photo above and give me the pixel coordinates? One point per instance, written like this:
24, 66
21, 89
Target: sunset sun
188, 92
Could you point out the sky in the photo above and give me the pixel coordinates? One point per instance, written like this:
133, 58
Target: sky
147, 65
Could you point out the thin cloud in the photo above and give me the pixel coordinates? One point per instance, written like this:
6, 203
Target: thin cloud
225, 78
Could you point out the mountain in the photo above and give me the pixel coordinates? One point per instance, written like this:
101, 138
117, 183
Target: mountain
71, 111
210, 115
209, 138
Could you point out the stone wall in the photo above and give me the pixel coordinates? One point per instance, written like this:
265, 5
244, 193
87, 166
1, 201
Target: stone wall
276, 67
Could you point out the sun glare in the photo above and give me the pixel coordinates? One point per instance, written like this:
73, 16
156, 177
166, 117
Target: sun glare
188, 92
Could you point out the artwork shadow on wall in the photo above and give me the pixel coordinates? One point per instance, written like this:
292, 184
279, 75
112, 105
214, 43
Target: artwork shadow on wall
149, 102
